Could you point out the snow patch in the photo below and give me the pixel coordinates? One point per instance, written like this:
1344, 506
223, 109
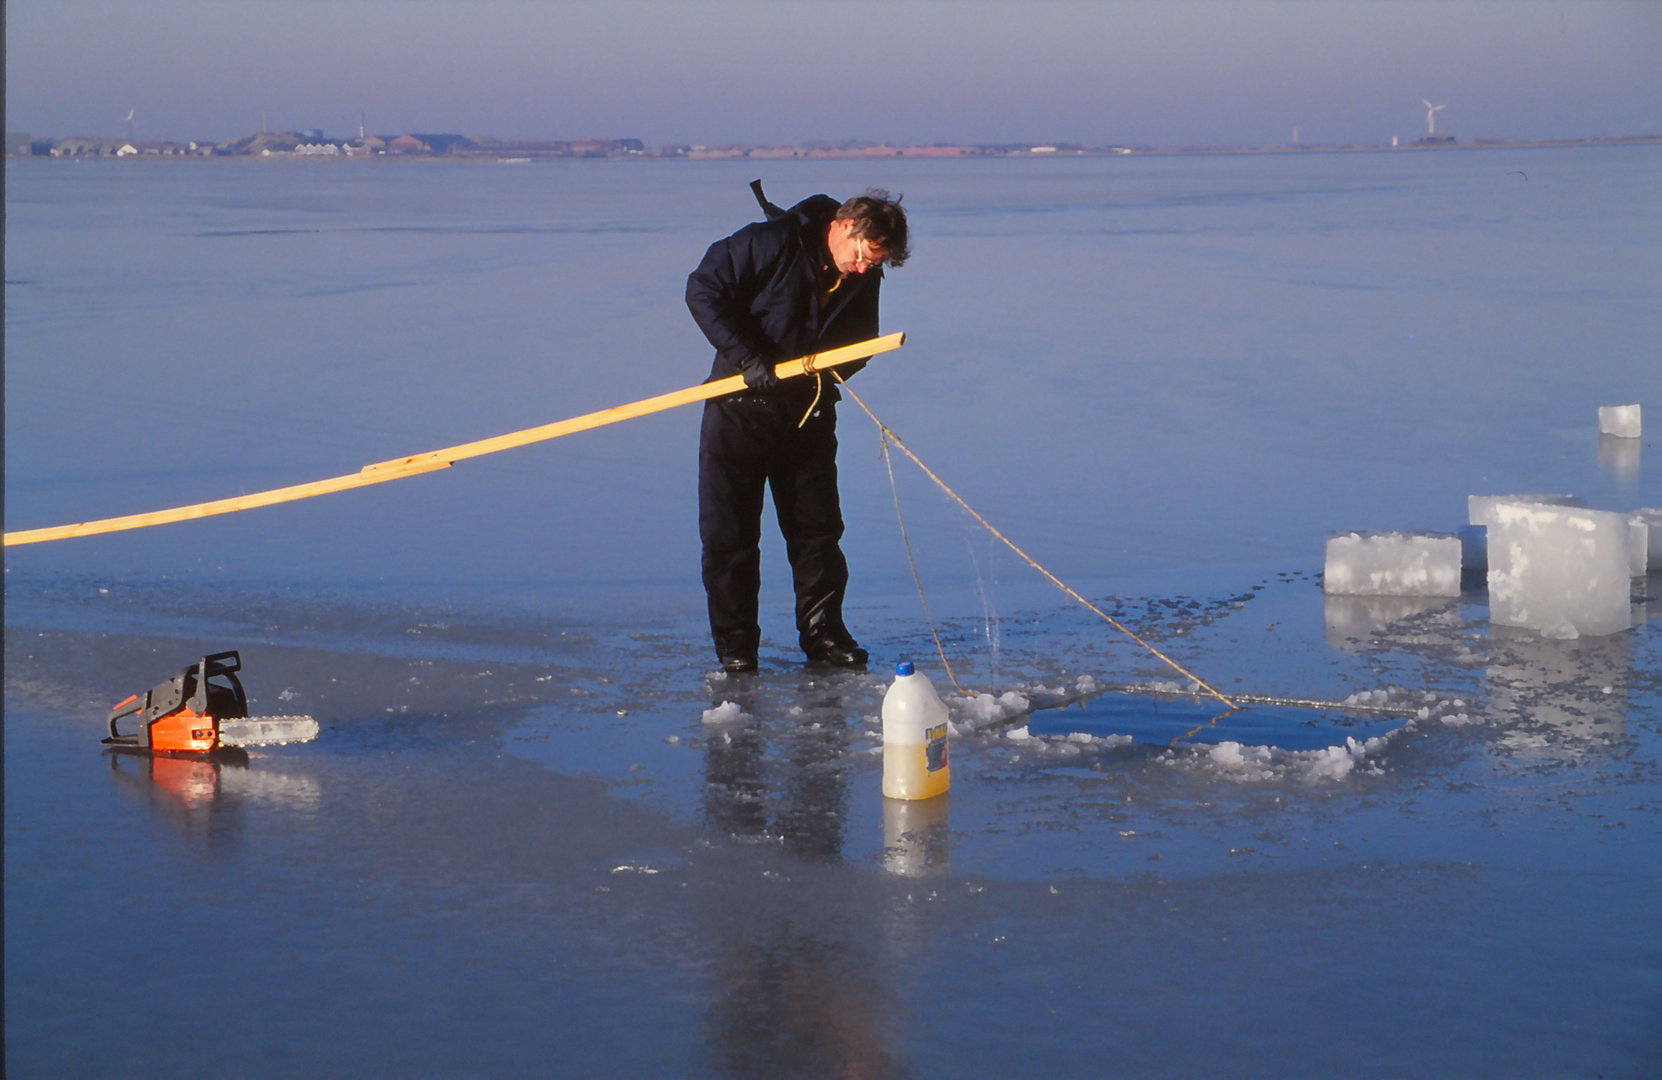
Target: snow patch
984, 710
725, 713
1256, 764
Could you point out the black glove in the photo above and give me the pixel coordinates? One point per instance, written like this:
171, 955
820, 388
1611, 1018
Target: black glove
758, 373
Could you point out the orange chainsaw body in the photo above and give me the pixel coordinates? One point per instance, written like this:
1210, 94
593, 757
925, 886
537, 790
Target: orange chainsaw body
182, 715
179, 732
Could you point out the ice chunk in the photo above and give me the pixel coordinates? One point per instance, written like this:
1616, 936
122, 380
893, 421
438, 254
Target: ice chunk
1392, 564
1638, 545
1653, 540
1480, 509
1619, 420
1560, 570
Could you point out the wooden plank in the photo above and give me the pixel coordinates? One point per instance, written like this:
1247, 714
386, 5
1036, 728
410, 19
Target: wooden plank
398, 468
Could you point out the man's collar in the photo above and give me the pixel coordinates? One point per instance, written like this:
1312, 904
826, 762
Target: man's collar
827, 266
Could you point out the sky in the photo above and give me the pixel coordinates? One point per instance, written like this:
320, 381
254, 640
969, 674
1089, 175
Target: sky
769, 72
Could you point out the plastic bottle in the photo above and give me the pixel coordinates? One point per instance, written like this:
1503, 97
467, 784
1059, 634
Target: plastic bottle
914, 737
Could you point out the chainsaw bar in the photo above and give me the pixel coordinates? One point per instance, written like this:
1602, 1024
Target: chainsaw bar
267, 731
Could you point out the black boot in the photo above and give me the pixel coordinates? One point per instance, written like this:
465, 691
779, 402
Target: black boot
737, 663
833, 645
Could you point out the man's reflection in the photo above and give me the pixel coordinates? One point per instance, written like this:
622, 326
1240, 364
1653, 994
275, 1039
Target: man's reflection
797, 991
791, 1004
788, 780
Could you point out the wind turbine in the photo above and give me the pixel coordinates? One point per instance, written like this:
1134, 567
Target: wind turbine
132, 129
1431, 117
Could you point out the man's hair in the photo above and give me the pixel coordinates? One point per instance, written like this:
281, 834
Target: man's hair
880, 220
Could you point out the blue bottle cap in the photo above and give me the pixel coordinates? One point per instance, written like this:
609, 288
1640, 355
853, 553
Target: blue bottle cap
903, 668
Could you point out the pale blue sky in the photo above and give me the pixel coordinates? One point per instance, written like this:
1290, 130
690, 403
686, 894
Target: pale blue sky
916, 71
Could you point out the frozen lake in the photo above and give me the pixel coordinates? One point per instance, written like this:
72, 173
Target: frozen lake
518, 845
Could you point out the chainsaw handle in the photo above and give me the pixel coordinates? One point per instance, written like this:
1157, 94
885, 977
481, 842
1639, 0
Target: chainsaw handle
215, 663
224, 663
124, 708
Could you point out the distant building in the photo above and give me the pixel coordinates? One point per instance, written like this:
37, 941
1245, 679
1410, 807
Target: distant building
442, 144
606, 147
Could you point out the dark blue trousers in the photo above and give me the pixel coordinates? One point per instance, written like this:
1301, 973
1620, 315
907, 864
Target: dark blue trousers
749, 442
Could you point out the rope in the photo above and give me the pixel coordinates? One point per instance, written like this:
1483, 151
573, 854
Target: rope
888, 463
889, 435
819, 386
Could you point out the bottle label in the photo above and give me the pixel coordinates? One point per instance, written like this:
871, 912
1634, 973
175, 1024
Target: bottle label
935, 755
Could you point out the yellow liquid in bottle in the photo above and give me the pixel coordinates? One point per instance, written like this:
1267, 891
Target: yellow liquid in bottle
916, 770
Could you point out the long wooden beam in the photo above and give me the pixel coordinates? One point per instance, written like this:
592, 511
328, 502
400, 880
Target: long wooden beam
398, 468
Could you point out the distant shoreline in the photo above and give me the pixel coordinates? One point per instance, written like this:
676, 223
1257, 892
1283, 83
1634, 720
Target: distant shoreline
310, 146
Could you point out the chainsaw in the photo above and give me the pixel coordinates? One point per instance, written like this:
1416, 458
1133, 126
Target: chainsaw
194, 715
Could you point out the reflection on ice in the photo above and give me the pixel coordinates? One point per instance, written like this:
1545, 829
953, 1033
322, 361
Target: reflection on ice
1353, 621
916, 839
278, 789
1619, 457
787, 781
1647, 605
790, 1000
201, 797
1575, 689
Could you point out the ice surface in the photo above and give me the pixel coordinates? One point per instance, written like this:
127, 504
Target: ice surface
549, 602
1392, 564
1619, 420
1557, 569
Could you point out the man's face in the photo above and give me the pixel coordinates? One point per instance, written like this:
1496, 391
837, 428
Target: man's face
850, 253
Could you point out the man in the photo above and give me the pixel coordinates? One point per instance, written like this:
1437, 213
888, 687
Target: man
804, 281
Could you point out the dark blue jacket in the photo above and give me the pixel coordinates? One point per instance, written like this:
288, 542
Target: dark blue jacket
758, 293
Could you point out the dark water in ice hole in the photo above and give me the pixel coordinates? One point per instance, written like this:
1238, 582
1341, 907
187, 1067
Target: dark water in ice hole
1163, 720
